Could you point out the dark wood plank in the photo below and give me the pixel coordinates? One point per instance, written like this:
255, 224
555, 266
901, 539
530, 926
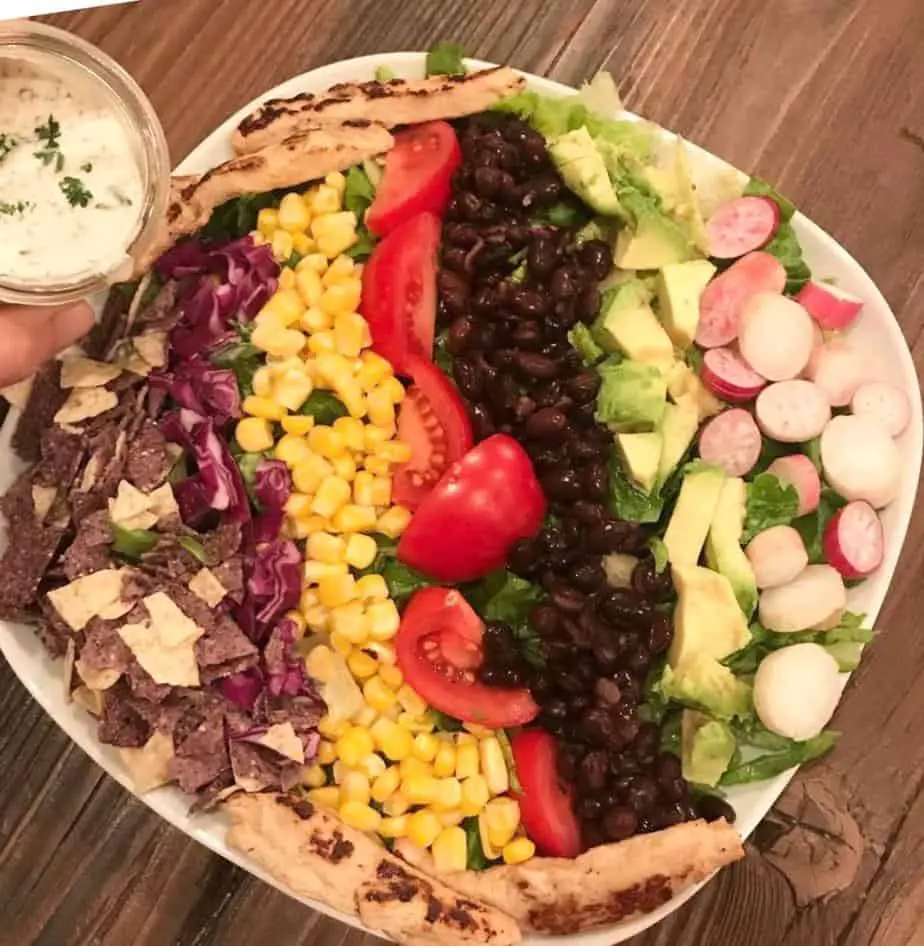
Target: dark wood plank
819, 96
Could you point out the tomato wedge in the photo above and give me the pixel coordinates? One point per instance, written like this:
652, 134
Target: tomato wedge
399, 291
465, 526
417, 176
438, 648
434, 423
545, 803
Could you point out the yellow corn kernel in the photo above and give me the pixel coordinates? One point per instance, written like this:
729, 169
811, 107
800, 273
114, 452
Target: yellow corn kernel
371, 587
253, 434
258, 239
327, 442
379, 696
268, 221
374, 369
310, 473
263, 407
315, 571
395, 389
315, 261
334, 367
337, 241
350, 331
298, 425
502, 817
354, 786
309, 599
360, 816
354, 745
262, 382
386, 784
419, 788
287, 305
466, 761
360, 549
393, 827
423, 828
372, 766
281, 243
351, 394
335, 590
298, 619
351, 430
396, 805
361, 665
391, 677
413, 703
381, 491
278, 341
310, 289
415, 724
448, 794
518, 851
329, 728
381, 408
327, 752
494, 766
450, 818
340, 644
365, 717
342, 297
307, 525
293, 390
425, 747
392, 741
363, 484
393, 521
287, 276
353, 518
320, 663
444, 763
324, 547
341, 268
314, 320
291, 450
450, 850
344, 467
331, 494
303, 245
394, 451
321, 343
336, 181
413, 766
377, 466
384, 620
318, 619
475, 795
375, 437
326, 200
293, 214
465, 739
349, 621
326, 797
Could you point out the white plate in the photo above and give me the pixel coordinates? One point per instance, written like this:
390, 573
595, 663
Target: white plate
877, 332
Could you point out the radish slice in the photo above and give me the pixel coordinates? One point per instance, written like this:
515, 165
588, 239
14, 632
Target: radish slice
775, 337
799, 472
726, 374
883, 403
742, 225
853, 540
838, 369
731, 441
832, 308
777, 556
723, 300
860, 460
805, 601
792, 411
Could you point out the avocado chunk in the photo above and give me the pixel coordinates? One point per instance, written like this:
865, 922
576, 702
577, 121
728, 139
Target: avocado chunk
678, 428
683, 381
701, 682
673, 181
583, 170
679, 287
723, 544
699, 495
707, 619
632, 396
707, 746
628, 324
641, 454
653, 240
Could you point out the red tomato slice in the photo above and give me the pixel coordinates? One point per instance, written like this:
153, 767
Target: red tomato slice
434, 423
399, 291
465, 526
438, 648
545, 803
417, 176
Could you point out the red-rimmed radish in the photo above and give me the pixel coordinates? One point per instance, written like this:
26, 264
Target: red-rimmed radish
775, 336
883, 403
727, 375
742, 225
792, 411
838, 369
731, 441
799, 472
832, 308
860, 460
853, 540
723, 300
810, 598
777, 556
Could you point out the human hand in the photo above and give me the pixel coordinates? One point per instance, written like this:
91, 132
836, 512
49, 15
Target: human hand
31, 335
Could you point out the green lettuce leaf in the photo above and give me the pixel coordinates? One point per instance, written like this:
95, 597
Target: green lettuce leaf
507, 598
812, 525
384, 74
786, 248
445, 59
771, 764
770, 503
243, 358
194, 547
324, 407
756, 187
583, 340
238, 217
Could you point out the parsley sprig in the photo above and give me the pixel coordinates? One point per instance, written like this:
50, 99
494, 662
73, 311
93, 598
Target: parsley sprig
76, 193
48, 135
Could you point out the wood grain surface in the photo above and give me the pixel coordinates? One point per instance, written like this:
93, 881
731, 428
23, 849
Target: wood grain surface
821, 96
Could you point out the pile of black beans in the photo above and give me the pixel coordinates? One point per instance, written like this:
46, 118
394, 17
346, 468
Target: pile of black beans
509, 292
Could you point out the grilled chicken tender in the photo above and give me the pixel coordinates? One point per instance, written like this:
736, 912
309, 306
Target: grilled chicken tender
313, 152
317, 856
397, 102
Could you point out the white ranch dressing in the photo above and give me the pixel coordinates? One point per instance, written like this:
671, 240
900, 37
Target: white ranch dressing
70, 201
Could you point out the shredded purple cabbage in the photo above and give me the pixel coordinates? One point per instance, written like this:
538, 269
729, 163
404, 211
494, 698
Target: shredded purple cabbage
275, 582
244, 688
285, 670
199, 386
272, 484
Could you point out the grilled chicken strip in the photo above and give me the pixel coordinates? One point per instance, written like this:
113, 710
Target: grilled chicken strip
310, 154
397, 102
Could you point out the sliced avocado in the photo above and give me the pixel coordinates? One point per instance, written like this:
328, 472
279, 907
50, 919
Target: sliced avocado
679, 287
707, 746
683, 381
707, 618
678, 428
701, 682
627, 323
653, 239
723, 545
692, 515
583, 170
632, 396
640, 454
673, 182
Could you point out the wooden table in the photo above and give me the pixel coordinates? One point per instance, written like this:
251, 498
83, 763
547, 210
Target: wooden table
822, 97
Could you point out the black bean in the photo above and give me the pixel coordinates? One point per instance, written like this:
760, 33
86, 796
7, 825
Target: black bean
524, 408
609, 536
712, 808
460, 234
564, 314
587, 303
482, 425
529, 304
647, 581
596, 482
526, 335
647, 742
547, 423
469, 378
673, 789
583, 387
586, 512
597, 257
562, 485
660, 634
620, 823
456, 260
470, 206
625, 608
566, 598
637, 661
549, 395
490, 181
668, 767
588, 575
542, 256
459, 334
533, 366
643, 795
597, 726
547, 190
564, 283
589, 808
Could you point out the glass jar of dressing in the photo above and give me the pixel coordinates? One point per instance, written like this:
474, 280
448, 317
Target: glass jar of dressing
84, 167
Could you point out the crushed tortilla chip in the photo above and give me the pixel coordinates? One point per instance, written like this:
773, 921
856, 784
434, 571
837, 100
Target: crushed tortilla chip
90, 700
205, 585
165, 645
131, 509
69, 657
43, 498
18, 394
116, 610
162, 503
152, 347
283, 738
97, 680
149, 766
87, 597
136, 364
80, 372
83, 403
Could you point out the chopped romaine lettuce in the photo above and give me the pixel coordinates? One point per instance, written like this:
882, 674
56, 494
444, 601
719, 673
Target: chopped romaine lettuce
324, 407
582, 339
771, 502
761, 767
445, 59
760, 188
384, 73
812, 525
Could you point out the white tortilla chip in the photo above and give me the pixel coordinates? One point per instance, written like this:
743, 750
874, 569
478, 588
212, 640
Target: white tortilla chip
42, 499
80, 372
283, 738
116, 610
90, 472
162, 503
172, 625
152, 347
83, 403
85, 598
90, 700
165, 645
18, 394
97, 680
149, 766
206, 586
130, 507
249, 784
